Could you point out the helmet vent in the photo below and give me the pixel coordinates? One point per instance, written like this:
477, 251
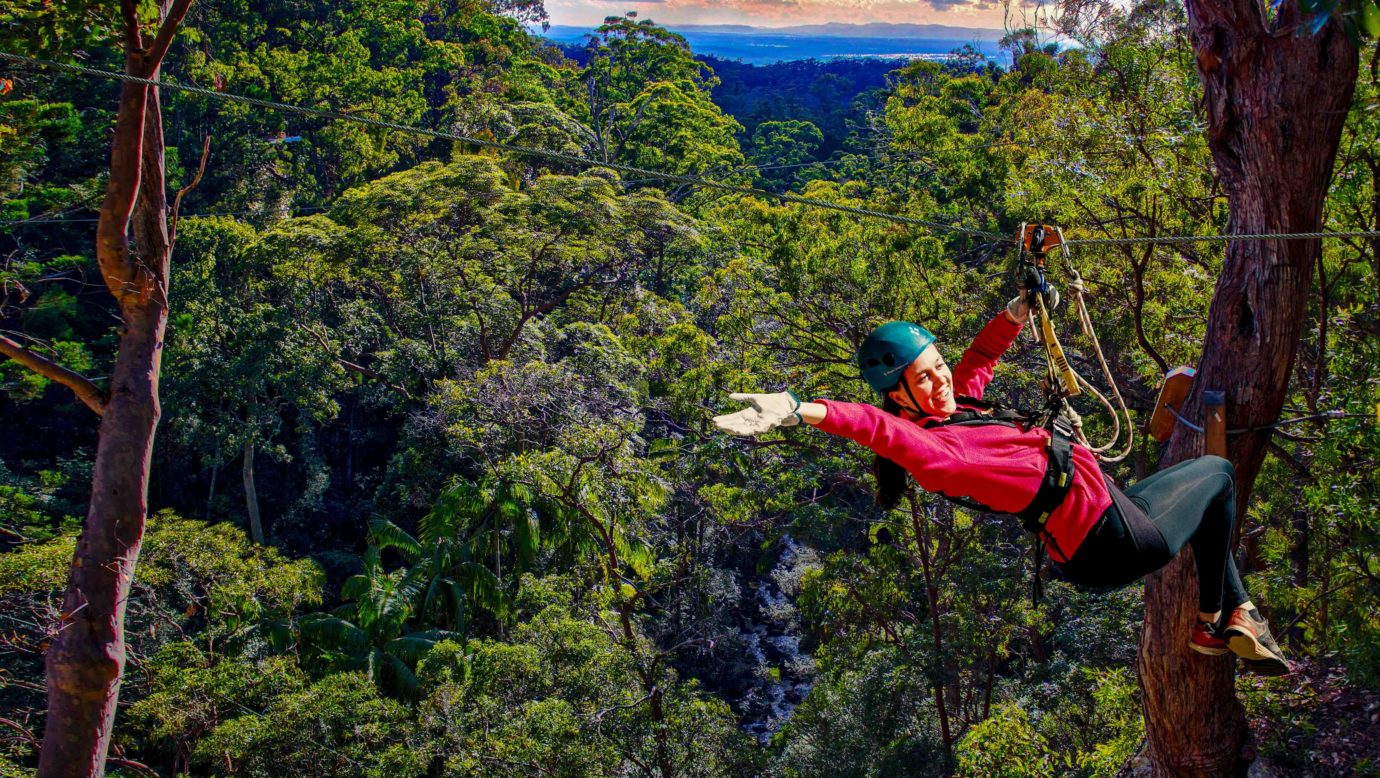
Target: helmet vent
889, 359
872, 362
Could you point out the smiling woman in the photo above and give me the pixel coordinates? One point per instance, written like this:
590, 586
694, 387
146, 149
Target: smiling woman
934, 426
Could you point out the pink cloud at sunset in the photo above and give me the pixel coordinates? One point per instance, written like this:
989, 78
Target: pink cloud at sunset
783, 13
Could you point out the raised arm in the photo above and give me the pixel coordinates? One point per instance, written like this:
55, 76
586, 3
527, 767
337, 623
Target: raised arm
975, 369
904, 442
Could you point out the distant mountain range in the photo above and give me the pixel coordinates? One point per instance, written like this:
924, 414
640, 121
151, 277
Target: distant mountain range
840, 30
766, 45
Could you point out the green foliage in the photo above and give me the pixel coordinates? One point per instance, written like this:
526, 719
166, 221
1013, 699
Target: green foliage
28, 128
498, 374
337, 725
646, 101
564, 697
868, 717
368, 632
52, 29
191, 693
1089, 718
36, 567
201, 592
1004, 746
1359, 19
42, 506
238, 360
779, 148
448, 64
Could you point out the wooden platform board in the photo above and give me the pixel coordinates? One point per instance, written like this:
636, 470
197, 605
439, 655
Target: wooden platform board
1175, 388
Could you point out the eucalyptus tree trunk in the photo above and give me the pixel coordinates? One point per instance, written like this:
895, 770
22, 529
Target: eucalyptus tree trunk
251, 495
86, 660
1276, 101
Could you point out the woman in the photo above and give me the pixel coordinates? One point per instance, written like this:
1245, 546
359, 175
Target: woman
1095, 535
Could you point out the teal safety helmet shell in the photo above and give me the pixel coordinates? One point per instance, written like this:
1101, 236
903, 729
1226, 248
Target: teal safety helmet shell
885, 353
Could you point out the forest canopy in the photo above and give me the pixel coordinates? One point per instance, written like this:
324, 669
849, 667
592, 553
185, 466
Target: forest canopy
435, 490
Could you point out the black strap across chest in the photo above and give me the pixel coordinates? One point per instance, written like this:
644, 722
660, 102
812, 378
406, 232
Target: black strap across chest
1059, 464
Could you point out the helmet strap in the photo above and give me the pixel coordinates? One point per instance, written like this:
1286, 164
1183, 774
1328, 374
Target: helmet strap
904, 384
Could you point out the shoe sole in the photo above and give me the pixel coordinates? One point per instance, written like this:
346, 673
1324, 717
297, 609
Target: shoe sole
1270, 667
1208, 651
1257, 658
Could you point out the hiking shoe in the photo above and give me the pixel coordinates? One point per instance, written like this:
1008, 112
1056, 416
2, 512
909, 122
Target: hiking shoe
1248, 636
1206, 639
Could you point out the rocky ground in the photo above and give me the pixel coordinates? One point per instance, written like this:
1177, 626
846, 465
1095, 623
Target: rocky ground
1309, 724
1318, 725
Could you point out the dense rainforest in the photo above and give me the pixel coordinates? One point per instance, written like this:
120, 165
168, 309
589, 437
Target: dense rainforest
435, 491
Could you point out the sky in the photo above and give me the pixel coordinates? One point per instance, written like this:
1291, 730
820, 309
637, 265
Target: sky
782, 13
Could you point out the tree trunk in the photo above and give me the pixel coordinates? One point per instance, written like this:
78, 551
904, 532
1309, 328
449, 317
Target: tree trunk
251, 496
1275, 103
211, 491
86, 661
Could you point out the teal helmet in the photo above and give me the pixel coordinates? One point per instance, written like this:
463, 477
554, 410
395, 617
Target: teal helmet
884, 354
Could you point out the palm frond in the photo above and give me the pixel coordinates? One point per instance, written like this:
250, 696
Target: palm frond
413, 646
392, 675
455, 510
322, 630
526, 535
385, 534
635, 553
444, 602
483, 588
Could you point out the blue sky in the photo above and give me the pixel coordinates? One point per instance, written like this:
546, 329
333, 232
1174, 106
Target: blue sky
783, 13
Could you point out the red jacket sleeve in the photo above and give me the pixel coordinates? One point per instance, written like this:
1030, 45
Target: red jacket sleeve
900, 440
974, 370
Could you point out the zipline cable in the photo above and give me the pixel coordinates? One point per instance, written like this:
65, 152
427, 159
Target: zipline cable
523, 150
1323, 416
654, 174
1253, 236
93, 219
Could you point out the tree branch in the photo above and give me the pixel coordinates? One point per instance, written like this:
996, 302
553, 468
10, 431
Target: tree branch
356, 368
86, 391
129, 11
177, 201
130, 764
171, 21
373, 374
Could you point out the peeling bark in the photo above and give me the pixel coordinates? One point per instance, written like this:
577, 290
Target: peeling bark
1276, 103
86, 661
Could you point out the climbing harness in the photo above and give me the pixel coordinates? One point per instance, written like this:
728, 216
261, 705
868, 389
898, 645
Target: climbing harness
1034, 242
1054, 485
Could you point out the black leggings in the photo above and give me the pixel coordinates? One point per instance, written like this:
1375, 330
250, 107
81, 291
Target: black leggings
1193, 503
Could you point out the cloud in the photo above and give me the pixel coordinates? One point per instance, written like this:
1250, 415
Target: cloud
781, 13
949, 5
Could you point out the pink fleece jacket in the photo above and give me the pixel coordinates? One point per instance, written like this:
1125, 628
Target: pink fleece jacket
994, 465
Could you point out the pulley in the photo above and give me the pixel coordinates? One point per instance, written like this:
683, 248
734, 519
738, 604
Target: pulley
1035, 242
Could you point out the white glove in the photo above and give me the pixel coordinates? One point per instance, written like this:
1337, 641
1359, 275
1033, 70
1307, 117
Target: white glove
1019, 307
768, 412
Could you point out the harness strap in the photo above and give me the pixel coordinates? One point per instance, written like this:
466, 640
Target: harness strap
1054, 486
1058, 479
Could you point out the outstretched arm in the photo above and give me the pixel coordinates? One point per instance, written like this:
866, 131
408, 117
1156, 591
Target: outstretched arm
897, 439
813, 413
